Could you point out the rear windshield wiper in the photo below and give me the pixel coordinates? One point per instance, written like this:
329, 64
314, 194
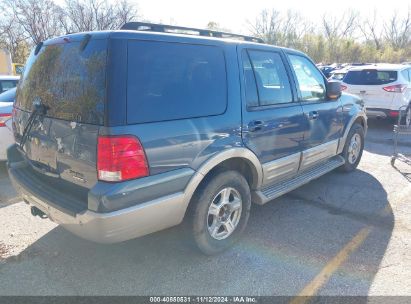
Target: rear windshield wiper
39, 110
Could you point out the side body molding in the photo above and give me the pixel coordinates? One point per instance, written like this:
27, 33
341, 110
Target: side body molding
280, 168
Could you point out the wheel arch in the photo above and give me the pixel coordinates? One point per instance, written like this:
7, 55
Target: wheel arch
361, 119
239, 159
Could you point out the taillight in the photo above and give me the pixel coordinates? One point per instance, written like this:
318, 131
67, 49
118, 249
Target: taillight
343, 87
3, 118
398, 88
394, 113
120, 158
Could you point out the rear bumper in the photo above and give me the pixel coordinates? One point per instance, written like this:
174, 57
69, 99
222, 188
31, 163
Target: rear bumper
381, 113
119, 225
159, 210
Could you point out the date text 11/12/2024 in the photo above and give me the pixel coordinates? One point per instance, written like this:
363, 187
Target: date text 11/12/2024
203, 299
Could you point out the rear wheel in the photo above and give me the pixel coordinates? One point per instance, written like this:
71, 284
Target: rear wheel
405, 117
408, 116
353, 148
220, 211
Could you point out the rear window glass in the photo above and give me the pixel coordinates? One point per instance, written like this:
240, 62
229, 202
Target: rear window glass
370, 77
168, 81
69, 80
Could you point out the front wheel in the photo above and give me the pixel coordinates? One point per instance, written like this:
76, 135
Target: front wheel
220, 211
353, 148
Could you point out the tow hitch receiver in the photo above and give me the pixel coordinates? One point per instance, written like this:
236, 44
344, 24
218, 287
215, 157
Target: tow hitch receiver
36, 211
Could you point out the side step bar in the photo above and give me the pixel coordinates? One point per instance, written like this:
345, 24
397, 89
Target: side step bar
273, 191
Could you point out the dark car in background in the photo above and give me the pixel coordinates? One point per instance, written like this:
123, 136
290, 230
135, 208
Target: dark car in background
327, 70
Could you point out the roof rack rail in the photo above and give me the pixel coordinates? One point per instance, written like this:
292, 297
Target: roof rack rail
164, 28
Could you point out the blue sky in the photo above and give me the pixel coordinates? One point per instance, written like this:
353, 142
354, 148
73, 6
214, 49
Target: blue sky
233, 14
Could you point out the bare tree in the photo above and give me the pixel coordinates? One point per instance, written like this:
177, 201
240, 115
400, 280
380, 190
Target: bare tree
215, 26
342, 27
212, 25
398, 30
267, 26
91, 15
39, 19
126, 12
337, 30
280, 29
371, 31
13, 39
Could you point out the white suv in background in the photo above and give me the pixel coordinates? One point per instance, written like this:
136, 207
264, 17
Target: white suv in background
385, 88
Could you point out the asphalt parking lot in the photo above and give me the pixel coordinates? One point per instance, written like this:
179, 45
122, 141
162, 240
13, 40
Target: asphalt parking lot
343, 234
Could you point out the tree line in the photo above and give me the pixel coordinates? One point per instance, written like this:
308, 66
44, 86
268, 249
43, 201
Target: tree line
25, 23
346, 37
343, 37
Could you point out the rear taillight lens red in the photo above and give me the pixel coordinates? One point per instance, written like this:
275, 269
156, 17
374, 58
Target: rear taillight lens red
394, 113
398, 88
3, 118
343, 87
120, 158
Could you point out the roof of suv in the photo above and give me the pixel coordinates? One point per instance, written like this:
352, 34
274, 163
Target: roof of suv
129, 34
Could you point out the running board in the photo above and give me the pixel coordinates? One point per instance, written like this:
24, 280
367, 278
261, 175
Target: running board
271, 192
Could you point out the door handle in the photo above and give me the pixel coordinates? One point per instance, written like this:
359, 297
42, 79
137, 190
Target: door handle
255, 125
313, 115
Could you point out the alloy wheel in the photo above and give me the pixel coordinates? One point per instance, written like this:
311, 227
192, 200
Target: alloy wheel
354, 149
224, 213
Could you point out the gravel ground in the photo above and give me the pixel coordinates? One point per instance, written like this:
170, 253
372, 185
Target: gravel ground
287, 243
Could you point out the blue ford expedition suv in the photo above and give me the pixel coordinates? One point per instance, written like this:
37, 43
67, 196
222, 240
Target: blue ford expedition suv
123, 133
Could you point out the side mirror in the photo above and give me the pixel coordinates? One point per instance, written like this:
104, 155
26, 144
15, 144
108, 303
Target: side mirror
333, 89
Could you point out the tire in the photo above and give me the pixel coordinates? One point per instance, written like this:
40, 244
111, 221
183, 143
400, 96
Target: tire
406, 120
223, 190
354, 146
405, 117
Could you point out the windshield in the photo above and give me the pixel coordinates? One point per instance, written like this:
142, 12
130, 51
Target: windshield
67, 79
370, 77
8, 96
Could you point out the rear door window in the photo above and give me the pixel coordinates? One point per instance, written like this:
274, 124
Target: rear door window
268, 70
370, 77
168, 81
249, 81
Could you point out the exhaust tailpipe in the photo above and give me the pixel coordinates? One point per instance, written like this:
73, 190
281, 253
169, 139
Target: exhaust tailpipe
36, 211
